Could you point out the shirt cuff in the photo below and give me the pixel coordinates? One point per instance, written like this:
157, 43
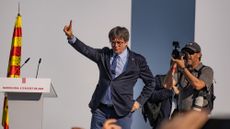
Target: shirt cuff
72, 40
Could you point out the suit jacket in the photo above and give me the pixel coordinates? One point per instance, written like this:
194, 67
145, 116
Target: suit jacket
121, 86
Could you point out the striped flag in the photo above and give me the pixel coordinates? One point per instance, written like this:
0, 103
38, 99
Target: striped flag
13, 65
15, 52
5, 114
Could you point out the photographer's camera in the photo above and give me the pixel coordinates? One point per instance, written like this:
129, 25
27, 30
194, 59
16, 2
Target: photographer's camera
176, 53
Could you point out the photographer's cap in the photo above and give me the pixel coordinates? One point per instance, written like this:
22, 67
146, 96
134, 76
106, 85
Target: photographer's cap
193, 46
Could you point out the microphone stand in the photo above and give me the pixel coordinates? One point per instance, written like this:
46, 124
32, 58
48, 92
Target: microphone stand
39, 62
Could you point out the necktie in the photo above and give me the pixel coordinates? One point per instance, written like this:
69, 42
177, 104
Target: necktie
108, 98
114, 65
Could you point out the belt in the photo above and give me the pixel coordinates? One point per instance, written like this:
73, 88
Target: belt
102, 105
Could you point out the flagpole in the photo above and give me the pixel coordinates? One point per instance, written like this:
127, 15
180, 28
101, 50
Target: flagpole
18, 8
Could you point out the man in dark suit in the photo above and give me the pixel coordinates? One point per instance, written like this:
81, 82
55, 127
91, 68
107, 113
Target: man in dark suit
119, 69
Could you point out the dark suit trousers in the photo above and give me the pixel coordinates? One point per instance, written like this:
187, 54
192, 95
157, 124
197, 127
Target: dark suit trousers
103, 112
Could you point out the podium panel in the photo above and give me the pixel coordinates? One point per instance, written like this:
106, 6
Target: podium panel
25, 100
25, 110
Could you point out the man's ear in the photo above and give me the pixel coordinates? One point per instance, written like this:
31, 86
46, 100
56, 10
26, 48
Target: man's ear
200, 54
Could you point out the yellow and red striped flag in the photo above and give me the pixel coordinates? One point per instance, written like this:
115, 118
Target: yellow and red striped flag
13, 65
15, 52
5, 114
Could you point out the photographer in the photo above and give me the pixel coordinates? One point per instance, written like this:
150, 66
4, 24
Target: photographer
193, 79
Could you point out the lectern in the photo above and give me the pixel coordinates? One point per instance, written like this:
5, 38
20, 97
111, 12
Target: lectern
25, 100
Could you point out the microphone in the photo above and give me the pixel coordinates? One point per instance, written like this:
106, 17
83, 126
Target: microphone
22, 66
39, 62
25, 62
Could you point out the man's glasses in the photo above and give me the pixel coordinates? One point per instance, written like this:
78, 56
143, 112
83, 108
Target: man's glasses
118, 43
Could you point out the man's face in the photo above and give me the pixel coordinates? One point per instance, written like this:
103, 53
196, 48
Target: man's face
119, 45
193, 58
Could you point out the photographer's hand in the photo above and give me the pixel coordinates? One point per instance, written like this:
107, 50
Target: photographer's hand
180, 62
197, 83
